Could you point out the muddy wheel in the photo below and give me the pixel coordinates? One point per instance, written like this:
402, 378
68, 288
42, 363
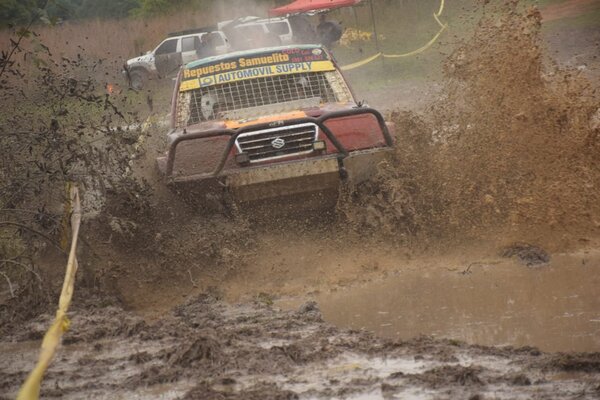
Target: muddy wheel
231, 207
138, 78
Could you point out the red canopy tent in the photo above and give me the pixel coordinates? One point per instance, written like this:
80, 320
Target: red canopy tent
306, 6
301, 6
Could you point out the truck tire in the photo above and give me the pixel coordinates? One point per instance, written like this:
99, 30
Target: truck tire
138, 78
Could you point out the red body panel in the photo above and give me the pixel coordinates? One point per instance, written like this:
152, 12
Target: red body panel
201, 156
355, 133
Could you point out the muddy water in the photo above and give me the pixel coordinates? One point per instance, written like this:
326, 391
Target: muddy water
206, 349
496, 302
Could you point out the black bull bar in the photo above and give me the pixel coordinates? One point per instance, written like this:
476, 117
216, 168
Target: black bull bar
234, 133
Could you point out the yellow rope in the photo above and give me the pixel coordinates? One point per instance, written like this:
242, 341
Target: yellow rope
360, 63
31, 388
412, 53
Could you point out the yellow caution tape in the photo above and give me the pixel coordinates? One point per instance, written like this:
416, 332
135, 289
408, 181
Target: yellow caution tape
437, 19
441, 8
148, 122
360, 63
64, 234
412, 53
31, 388
431, 42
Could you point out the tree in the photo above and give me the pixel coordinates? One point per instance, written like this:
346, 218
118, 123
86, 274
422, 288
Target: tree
61, 10
17, 12
22, 12
106, 8
156, 7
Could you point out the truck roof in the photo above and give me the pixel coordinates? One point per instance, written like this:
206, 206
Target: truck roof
204, 29
241, 53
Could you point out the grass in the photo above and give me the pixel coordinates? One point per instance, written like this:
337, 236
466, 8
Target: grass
405, 29
107, 38
544, 3
410, 28
383, 72
588, 20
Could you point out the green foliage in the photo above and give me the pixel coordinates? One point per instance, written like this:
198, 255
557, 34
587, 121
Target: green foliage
106, 8
156, 7
151, 8
22, 12
57, 10
17, 12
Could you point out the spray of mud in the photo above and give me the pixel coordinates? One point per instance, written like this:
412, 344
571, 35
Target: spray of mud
508, 153
511, 149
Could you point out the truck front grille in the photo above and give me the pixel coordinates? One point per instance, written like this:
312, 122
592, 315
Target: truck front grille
279, 142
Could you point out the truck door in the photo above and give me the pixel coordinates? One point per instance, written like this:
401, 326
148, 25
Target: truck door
219, 40
282, 30
166, 57
189, 48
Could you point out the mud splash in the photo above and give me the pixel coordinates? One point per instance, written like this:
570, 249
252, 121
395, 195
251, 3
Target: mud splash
510, 149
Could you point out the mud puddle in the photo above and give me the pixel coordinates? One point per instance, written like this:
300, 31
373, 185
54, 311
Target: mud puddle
206, 349
492, 302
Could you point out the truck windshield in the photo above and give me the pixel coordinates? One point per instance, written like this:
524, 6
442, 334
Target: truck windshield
259, 90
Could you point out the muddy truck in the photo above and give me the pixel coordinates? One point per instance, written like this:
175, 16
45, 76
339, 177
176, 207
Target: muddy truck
278, 124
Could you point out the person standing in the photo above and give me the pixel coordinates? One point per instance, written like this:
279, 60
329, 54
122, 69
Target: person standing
328, 32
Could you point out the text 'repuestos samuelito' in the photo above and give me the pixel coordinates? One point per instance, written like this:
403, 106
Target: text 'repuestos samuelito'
233, 65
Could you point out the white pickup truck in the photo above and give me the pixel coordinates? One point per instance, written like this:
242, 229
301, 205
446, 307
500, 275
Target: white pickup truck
173, 52
239, 34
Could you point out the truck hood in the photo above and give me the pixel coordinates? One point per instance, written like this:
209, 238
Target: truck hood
234, 124
304, 112
147, 59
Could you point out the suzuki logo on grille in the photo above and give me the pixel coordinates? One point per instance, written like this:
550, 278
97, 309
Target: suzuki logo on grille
278, 143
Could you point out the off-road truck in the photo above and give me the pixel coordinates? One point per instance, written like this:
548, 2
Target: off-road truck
271, 123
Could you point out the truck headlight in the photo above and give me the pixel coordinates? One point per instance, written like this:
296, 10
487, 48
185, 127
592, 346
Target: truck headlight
242, 158
319, 145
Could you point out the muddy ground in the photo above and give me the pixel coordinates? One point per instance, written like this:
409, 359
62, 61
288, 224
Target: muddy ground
206, 349
467, 269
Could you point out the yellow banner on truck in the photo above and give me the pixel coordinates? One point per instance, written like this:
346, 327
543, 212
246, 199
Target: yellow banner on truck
255, 65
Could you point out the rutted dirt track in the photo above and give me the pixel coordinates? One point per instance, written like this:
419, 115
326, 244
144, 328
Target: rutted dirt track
206, 349
497, 182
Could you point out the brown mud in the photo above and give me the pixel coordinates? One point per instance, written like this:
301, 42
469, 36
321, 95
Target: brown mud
205, 349
489, 301
510, 149
498, 180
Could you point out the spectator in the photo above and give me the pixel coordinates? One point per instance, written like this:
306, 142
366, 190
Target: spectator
207, 46
328, 32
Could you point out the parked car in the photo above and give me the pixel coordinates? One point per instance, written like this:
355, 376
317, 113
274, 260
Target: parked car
255, 32
176, 50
